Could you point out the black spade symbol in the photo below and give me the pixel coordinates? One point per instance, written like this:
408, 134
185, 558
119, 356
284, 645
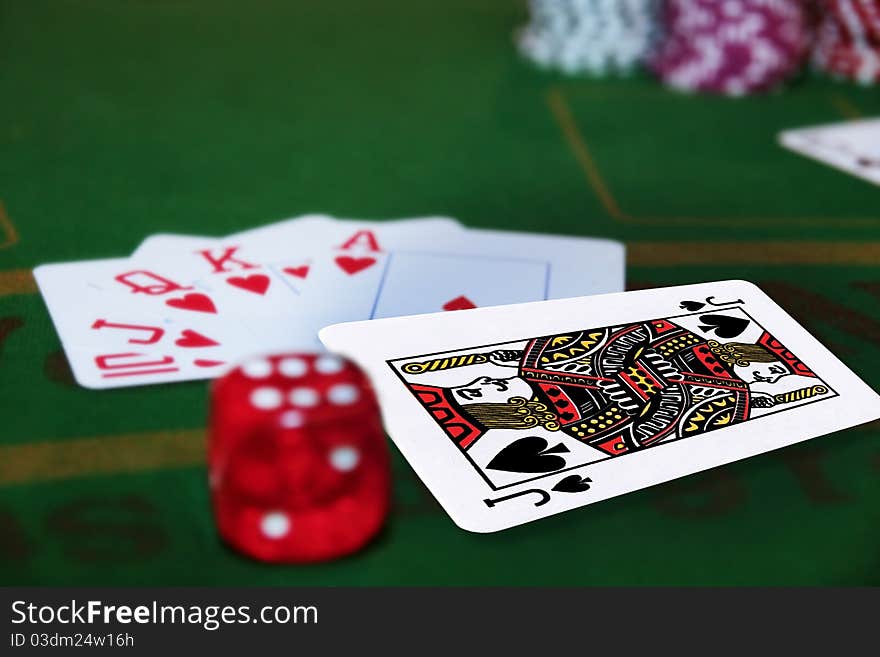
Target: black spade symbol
529, 454
724, 325
691, 305
553, 392
573, 484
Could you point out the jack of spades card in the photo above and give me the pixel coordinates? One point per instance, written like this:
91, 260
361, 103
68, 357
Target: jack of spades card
533, 408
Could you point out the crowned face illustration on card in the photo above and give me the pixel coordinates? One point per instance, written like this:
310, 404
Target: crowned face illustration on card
614, 390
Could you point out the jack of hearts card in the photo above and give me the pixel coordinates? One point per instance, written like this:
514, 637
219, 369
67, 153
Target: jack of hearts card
513, 413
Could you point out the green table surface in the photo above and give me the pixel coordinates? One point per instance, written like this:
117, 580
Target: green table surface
121, 119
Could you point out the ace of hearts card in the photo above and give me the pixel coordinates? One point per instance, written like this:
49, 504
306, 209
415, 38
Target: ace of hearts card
514, 413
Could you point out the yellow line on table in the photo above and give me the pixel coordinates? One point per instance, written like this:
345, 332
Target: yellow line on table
10, 233
577, 143
582, 154
108, 455
101, 455
660, 254
845, 106
667, 254
17, 281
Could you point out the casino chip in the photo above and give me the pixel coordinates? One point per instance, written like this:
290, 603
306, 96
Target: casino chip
848, 40
298, 465
732, 47
595, 37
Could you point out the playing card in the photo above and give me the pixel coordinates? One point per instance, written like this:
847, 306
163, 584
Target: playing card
160, 244
465, 269
577, 265
319, 233
112, 343
230, 272
342, 259
281, 235
341, 287
513, 413
418, 282
337, 266
851, 146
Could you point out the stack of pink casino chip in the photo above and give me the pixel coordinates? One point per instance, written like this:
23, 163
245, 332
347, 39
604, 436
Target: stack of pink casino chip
848, 40
732, 47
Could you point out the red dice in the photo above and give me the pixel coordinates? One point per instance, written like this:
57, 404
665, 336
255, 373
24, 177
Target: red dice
298, 465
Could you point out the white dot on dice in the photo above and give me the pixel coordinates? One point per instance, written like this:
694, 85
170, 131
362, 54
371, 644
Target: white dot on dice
303, 397
345, 459
293, 367
266, 398
275, 524
328, 365
257, 369
342, 394
292, 420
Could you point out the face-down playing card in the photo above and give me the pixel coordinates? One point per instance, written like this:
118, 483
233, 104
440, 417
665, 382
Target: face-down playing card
513, 413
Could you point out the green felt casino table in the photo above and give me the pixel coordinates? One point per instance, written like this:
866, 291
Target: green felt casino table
121, 119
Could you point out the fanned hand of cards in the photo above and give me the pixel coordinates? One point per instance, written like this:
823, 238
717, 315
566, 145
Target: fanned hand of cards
185, 307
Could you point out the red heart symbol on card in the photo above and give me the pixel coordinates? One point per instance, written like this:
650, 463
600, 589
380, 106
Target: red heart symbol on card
352, 265
207, 363
459, 303
300, 272
191, 339
193, 301
256, 283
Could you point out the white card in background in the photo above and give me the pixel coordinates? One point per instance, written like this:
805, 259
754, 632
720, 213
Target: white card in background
292, 245
286, 234
317, 234
160, 244
342, 287
851, 146
419, 282
335, 265
578, 265
229, 270
112, 343
513, 413
118, 367
343, 259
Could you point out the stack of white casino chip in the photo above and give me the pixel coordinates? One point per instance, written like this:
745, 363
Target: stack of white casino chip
595, 37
